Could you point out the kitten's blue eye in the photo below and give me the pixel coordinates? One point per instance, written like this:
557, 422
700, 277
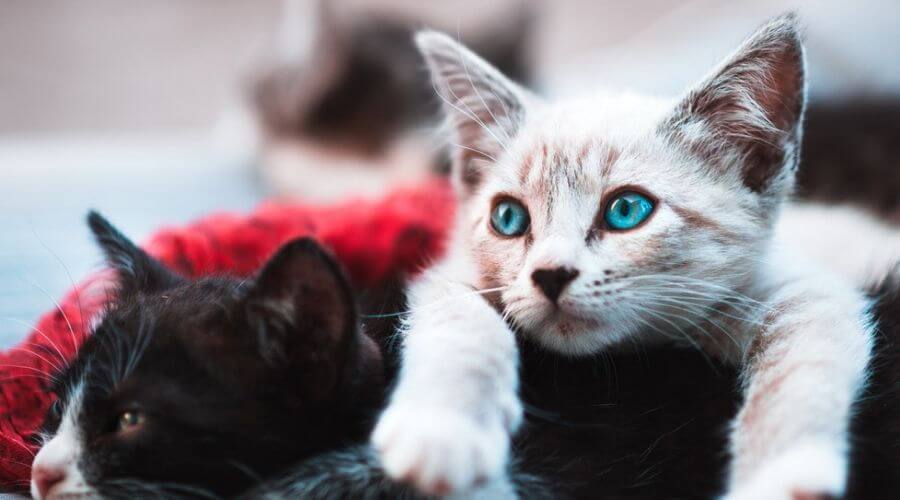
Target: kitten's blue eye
628, 210
510, 218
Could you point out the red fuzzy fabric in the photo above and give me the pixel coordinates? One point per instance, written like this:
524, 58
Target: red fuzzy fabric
374, 240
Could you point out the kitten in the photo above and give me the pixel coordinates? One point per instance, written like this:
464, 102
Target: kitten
222, 387
202, 388
626, 220
353, 101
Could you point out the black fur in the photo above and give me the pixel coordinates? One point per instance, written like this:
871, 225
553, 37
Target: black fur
851, 154
237, 379
646, 424
875, 457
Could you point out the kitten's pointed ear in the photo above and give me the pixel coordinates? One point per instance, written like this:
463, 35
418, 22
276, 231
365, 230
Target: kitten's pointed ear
484, 108
137, 270
302, 310
747, 117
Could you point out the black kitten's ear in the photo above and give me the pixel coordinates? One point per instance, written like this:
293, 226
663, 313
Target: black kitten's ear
746, 118
137, 270
483, 106
303, 312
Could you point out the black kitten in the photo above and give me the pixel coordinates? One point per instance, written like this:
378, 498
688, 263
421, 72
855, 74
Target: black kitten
201, 388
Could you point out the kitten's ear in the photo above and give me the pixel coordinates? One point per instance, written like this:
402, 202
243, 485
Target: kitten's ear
484, 108
137, 270
746, 119
302, 310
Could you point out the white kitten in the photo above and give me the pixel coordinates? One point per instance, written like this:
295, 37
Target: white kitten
622, 218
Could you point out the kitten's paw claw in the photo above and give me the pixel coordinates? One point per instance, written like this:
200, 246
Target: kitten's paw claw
437, 451
809, 472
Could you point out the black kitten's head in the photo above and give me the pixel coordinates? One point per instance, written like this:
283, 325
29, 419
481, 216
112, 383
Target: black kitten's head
187, 387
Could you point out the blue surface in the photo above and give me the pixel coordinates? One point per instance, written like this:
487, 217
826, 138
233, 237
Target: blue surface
139, 183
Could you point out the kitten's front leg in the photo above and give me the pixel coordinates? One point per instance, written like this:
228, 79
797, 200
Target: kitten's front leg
448, 425
803, 372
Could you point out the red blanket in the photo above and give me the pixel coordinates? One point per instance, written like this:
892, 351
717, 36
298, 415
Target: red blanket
375, 240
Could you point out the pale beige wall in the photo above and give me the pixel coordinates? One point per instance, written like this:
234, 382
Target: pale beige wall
109, 65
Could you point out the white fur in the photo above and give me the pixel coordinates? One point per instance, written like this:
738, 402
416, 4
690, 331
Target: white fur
822, 365
843, 238
448, 440
62, 453
702, 270
806, 467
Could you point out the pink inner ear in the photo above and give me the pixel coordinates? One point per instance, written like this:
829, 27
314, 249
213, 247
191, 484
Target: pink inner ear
772, 77
484, 107
781, 97
751, 107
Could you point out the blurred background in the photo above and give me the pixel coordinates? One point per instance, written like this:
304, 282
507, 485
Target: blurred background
158, 112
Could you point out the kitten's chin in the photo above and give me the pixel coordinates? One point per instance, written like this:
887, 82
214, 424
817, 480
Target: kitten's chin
574, 336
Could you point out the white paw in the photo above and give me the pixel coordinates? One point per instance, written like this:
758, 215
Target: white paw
808, 472
438, 451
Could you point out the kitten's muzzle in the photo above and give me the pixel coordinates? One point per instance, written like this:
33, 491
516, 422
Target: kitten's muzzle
552, 282
45, 478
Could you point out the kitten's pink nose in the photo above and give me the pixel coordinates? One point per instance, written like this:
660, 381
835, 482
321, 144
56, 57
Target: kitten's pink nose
553, 281
45, 477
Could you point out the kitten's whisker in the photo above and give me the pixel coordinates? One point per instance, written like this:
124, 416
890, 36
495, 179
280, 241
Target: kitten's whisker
436, 303
28, 450
25, 375
682, 281
61, 312
702, 299
636, 316
703, 305
38, 356
475, 88
467, 114
684, 335
476, 151
199, 492
11, 461
48, 377
246, 470
673, 278
472, 115
39, 332
68, 275
691, 310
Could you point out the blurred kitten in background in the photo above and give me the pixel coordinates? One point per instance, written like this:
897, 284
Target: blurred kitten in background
349, 98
